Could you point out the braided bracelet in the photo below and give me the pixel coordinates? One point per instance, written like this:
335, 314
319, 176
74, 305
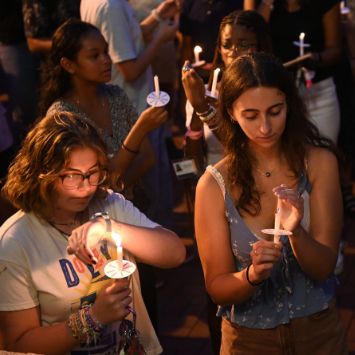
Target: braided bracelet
248, 279
84, 327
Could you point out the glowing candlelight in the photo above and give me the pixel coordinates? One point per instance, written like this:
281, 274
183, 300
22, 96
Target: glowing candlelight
301, 38
277, 221
214, 82
197, 51
117, 238
156, 86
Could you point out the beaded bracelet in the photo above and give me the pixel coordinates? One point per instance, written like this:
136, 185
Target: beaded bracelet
248, 279
205, 118
84, 327
194, 135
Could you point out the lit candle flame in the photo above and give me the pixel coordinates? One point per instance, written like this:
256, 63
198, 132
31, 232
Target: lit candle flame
117, 238
197, 51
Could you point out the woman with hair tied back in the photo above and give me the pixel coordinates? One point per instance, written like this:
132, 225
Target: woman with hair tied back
74, 79
274, 296
240, 32
55, 303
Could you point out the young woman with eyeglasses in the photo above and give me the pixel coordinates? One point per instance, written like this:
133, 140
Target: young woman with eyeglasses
52, 302
240, 32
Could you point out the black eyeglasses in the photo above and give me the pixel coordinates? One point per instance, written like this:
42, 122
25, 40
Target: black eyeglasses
239, 47
74, 180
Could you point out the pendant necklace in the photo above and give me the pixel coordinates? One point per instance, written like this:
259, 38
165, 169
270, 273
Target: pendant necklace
266, 173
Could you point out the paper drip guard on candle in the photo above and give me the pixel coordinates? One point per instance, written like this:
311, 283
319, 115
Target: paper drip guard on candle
112, 269
276, 231
119, 268
197, 63
157, 98
299, 44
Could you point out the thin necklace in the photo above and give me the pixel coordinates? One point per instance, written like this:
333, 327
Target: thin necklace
61, 233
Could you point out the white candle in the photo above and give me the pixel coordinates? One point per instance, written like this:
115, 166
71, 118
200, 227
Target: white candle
214, 81
197, 51
117, 238
277, 221
301, 38
156, 86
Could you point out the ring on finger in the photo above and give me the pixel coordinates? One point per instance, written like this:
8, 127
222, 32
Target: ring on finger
186, 68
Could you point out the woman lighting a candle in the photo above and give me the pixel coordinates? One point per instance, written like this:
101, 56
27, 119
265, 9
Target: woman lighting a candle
51, 302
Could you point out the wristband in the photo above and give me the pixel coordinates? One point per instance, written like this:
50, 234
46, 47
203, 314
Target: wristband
248, 279
106, 218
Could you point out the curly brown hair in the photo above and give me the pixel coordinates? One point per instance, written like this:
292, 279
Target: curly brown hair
43, 154
258, 70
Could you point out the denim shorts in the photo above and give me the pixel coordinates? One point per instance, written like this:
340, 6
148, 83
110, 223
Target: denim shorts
318, 334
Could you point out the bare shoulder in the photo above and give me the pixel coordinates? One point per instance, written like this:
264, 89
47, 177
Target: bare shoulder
321, 161
208, 181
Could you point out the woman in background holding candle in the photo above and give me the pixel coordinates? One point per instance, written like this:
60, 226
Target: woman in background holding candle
51, 302
240, 32
319, 20
74, 80
274, 297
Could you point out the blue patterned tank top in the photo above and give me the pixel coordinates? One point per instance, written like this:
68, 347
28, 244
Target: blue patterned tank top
288, 293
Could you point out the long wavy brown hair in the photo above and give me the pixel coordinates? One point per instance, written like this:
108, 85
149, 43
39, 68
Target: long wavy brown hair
257, 70
44, 153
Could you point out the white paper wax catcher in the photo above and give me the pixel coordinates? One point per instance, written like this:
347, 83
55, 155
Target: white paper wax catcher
157, 98
112, 269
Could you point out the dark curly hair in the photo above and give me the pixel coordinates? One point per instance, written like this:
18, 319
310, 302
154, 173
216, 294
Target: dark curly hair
258, 70
66, 43
44, 153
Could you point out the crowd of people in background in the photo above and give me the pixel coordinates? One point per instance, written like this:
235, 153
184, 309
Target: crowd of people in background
262, 91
